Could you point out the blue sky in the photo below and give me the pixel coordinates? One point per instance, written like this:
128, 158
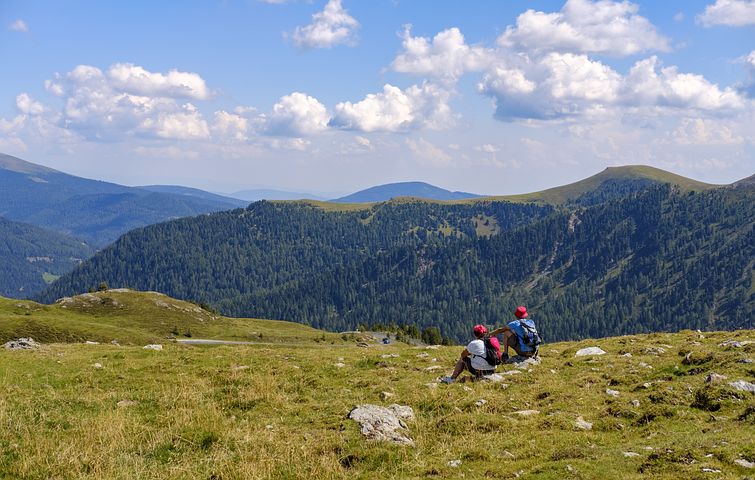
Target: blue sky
334, 96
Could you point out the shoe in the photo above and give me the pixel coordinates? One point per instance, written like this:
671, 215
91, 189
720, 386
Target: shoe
504, 357
447, 380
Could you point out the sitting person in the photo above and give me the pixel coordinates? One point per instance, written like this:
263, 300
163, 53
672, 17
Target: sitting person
473, 358
514, 335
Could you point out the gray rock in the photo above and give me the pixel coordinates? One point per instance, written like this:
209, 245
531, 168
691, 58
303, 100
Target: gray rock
581, 423
97, 365
385, 395
744, 463
454, 463
480, 402
735, 343
339, 365
523, 363
22, 344
655, 351
744, 360
613, 393
382, 424
433, 367
127, 403
635, 403
714, 378
743, 386
585, 352
153, 346
390, 355
631, 454
526, 413
90, 342
495, 378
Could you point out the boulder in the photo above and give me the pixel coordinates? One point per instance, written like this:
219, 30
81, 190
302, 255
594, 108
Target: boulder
383, 424
743, 386
523, 363
22, 344
586, 352
744, 463
735, 343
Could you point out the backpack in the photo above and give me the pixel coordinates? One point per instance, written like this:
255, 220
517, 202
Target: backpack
492, 351
529, 336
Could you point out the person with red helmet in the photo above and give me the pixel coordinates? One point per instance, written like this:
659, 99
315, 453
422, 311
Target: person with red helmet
472, 358
514, 334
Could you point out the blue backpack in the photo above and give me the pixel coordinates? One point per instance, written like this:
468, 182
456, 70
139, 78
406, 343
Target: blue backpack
526, 332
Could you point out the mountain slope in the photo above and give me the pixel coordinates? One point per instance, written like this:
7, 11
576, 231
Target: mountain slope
31, 257
196, 193
95, 211
623, 179
653, 260
386, 192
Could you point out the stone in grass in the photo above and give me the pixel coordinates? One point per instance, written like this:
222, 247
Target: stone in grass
153, 346
127, 403
714, 378
22, 344
744, 463
339, 365
582, 424
454, 463
586, 352
480, 402
383, 424
385, 395
613, 393
97, 365
744, 360
655, 351
526, 413
631, 454
743, 386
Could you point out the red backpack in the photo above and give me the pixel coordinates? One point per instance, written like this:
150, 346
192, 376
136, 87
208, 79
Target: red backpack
492, 351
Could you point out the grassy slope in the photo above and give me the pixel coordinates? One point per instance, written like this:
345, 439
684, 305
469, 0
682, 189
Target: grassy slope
555, 196
201, 416
138, 318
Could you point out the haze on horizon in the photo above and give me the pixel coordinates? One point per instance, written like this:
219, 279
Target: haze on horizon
338, 95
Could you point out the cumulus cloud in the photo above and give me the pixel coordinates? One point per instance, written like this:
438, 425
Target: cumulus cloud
560, 85
445, 57
231, 126
429, 153
733, 13
583, 26
128, 100
297, 114
394, 110
333, 26
18, 26
699, 131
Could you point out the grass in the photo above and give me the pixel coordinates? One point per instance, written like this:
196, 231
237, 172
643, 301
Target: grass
279, 411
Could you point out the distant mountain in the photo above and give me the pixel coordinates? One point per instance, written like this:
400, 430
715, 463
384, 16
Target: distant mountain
95, 211
613, 181
255, 195
32, 257
382, 193
196, 193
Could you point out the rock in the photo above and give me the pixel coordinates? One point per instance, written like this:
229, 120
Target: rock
645, 365
743, 386
710, 470
385, 395
480, 402
744, 463
454, 463
523, 363
89, 342
390, 355
97, 365
339, 365
467, 389
714, 378
631, 454
495, 378
153, 347
431, 385
655, 351
526, 413
735, 343
510, 372
647, 385
586, 352
744, 360
115, 342
582, 424
635, 403
507, 454
382, 424
268, 427
432, 347
627, 354
127, 403
363, 344
433, 367
237, 368
613, 393
22, 344
422, 355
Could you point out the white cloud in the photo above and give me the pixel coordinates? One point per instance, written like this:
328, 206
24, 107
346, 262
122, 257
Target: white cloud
297, 144
560, 85
18, 26
487, 148
363, 142
231, 126
129, 100
733, 13
333, 26
447, 57
583, 26
28, 105
428, 153
297, 114
395, 110
135, 79
699, 131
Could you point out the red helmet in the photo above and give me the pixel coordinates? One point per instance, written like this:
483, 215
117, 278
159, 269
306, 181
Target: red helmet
479, 330
521, 311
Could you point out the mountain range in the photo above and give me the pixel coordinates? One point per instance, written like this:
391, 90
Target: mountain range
382, 193
621, 252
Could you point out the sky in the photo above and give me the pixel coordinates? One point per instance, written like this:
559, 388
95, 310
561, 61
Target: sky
329, 97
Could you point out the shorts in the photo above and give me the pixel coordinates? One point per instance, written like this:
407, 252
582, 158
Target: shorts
474, 371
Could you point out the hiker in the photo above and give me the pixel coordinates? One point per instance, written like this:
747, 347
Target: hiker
473, 357
515, 335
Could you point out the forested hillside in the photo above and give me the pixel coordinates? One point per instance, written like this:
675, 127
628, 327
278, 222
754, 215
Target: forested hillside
32, 257
659, 259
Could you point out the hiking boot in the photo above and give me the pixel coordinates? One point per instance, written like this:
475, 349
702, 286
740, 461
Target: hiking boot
504, 357
447, 380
